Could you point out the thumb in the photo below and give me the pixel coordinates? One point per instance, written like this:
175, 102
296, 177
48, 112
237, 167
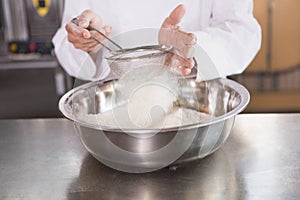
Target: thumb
175, 17
88, 17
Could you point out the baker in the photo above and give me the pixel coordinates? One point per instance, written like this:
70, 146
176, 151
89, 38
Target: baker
225, 30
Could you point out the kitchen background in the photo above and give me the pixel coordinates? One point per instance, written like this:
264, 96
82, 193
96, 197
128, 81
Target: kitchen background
31, 80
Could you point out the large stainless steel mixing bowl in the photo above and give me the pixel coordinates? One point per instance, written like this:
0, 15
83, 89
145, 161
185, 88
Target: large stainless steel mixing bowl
148, 150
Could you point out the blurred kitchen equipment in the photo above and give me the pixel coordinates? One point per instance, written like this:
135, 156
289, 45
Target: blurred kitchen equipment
128, 150
30, 25
15, 16
273, 77
26, 30
2, 48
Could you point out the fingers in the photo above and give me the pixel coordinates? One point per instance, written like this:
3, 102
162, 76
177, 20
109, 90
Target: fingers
89, 18
77, 31
169, 26
183, 42
80, 36
175, 17
86, 47
179, 64
82, 39
171, 35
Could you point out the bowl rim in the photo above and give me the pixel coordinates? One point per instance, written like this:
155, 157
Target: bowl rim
240, 89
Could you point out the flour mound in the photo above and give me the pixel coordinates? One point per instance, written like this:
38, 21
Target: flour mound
145, 98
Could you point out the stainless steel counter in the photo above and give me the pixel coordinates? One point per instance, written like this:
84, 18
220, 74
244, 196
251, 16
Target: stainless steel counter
44, 159
39, 62
31, 88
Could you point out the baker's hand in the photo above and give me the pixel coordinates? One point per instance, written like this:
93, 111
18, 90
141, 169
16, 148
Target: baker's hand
182, 42
80, 37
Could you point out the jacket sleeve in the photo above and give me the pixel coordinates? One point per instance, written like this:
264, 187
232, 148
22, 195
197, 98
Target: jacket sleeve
230, 42
76, 63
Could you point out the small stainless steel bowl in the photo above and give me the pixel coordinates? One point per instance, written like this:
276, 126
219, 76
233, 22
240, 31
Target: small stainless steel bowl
130, 151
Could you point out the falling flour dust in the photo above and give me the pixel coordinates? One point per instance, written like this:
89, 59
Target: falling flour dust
146, 98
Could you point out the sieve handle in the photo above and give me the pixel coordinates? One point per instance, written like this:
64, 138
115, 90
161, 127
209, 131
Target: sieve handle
90, 28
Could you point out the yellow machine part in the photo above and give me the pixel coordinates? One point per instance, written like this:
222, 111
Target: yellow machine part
42, 6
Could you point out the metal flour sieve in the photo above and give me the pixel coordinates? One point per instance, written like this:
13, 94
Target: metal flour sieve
122, 60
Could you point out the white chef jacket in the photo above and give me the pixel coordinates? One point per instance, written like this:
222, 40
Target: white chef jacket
226, 31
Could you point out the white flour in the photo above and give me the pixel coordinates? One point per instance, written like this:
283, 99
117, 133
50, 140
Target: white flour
147, 95
175, 118
149, 104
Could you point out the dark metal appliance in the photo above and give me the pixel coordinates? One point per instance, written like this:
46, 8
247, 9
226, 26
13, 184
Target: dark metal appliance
27, 26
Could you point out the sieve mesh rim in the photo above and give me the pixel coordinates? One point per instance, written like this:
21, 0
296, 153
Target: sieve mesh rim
120, 55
